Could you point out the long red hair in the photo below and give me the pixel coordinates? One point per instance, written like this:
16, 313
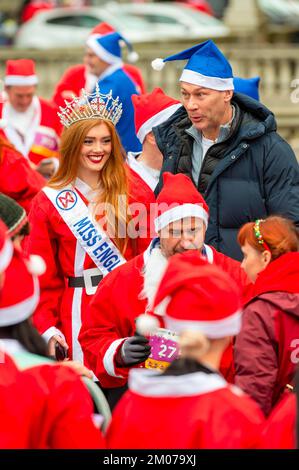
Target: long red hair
280, 234
113, 178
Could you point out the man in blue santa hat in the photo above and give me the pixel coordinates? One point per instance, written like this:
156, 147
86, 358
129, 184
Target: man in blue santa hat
228, 144
111, 76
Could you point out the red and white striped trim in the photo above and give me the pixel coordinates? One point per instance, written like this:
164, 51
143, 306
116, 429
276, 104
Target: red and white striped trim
19, 312
6, 255
155, 120
101, 52
214, 83
229, 326
20, 80
180, 212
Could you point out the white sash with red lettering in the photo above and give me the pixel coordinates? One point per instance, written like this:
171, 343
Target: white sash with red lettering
93, 239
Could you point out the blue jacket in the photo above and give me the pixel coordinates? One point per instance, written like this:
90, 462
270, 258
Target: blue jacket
123, 87
256, 174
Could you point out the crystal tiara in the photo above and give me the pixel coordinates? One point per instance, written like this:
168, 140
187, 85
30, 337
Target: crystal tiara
91, 106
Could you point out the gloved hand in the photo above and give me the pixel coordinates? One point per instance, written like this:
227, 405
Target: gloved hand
134, 350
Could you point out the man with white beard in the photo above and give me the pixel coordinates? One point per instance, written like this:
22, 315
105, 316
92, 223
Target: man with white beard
108, 336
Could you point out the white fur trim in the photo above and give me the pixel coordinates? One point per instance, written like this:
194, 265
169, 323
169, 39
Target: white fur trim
150, 384
214, 83
180, 212
155, 120
108, 359
6, 255
101, 52
20, 80
229, 326
19, 312
210, 253
52, 331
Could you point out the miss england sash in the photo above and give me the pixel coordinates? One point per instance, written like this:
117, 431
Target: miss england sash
91, 236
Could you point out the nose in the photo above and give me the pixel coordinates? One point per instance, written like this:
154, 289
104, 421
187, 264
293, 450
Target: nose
97, 146
187, 240
191, 104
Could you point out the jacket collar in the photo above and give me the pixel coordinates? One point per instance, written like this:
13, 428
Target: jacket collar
152, 384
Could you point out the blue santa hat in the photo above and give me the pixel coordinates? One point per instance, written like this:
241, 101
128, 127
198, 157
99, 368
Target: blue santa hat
207, 66
108, 47
248, 86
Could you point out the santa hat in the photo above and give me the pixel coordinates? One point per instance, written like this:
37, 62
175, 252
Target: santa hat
20, 72
12, 214
151, 109
102, 28
6, 248
179, 199
20, 293
207, 67
198, 296
248, 86
108, 47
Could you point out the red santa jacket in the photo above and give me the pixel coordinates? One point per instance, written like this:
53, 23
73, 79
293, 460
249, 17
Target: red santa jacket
61, 307
45, 135
279, 431
74, 79
45, 407
17, 179
112, 312
266, 349
190, 411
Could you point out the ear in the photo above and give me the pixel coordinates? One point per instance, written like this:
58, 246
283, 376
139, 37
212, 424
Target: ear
266, 257
151, 138
228, 94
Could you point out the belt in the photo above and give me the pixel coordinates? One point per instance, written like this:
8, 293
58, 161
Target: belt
80, 281
90, 280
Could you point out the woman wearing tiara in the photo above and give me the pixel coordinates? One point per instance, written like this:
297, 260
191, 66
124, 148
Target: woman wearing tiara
83, 222
266, 350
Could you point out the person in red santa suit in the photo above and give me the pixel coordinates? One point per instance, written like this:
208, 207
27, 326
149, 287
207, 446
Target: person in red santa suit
6, 251
265, 350
54, 409
18, 179
85, 75
150, 110
27, 121
202, 305
81, 222
107, 336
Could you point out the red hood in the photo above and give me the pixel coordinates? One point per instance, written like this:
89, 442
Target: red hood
281, 274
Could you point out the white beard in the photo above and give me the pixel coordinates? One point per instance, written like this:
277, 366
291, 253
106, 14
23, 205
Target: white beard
153, 272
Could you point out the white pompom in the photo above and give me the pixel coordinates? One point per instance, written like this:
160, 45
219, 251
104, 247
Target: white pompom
158, 64
146, 324
133, 56
36, 265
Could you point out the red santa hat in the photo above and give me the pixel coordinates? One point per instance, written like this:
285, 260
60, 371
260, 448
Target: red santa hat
20, 72
102, 28
6, 248
20, 293
198, 296
179, 199
151, 109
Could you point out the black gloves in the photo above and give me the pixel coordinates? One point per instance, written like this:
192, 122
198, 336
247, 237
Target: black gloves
134, 350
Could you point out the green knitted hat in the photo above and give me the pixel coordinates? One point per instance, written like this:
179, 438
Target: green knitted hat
12, 214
